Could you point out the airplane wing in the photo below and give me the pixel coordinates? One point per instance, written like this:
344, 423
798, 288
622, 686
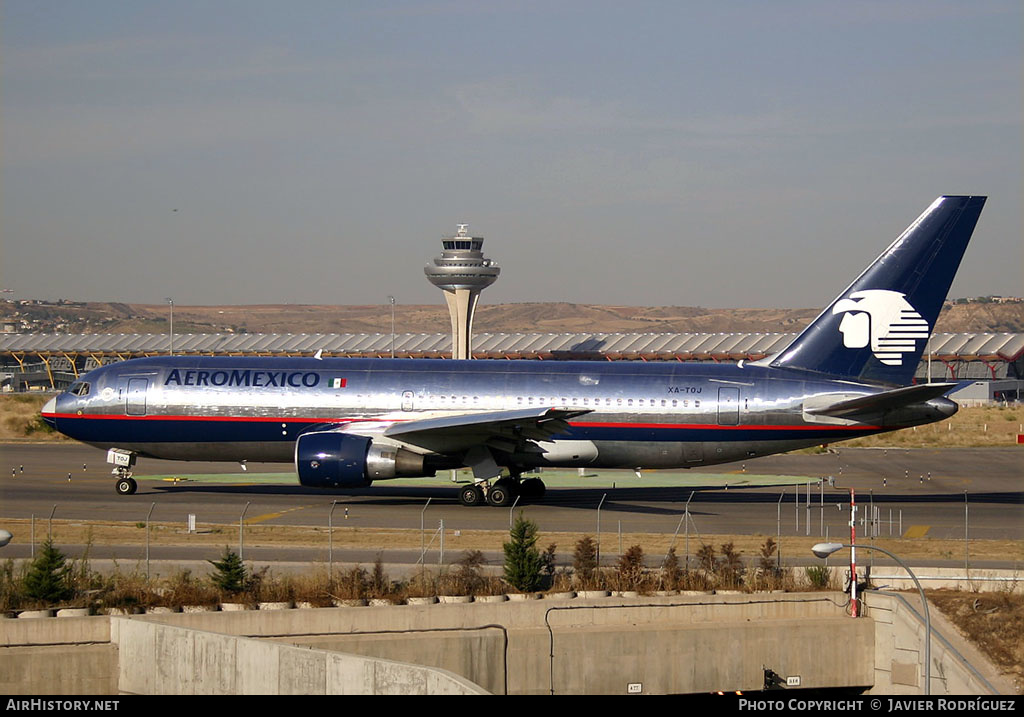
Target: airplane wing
500, 430
884, 401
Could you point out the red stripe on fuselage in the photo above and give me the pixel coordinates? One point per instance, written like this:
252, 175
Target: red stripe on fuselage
575, 424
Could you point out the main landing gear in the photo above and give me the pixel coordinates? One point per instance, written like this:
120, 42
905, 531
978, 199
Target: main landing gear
502, 492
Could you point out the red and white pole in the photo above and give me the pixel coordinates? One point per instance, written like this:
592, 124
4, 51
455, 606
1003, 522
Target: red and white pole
854, 611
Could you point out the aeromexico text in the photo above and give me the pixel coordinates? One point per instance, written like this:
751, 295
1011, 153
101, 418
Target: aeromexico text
247, 377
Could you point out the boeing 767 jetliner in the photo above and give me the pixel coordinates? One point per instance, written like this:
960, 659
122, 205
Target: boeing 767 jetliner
347, 422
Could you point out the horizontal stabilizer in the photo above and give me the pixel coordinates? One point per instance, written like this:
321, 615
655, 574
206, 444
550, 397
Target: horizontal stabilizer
884, 401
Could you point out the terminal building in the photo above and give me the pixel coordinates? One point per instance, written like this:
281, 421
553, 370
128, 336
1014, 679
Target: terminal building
989, 365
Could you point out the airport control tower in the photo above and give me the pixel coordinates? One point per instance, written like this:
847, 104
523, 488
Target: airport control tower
462, 272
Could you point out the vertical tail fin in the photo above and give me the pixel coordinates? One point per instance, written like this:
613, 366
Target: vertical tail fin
876, 330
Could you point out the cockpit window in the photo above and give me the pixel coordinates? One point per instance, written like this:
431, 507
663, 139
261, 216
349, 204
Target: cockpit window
79, 388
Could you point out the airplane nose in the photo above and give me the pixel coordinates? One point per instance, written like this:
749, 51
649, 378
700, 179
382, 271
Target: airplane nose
48, 412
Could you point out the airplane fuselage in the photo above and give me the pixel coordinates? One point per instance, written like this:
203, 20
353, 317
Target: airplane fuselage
639, 414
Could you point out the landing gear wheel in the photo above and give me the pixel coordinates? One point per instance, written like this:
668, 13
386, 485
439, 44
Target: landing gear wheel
499, 496
471, 495
509, 484
533, 488
126, 486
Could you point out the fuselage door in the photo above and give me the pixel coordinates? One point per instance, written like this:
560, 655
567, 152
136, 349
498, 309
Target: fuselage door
407, 400
728, 406
135, 403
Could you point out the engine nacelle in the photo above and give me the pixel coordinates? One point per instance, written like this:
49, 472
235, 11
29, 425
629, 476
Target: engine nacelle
332, 459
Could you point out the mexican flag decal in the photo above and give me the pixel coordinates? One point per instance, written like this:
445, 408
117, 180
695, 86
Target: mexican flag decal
338, 383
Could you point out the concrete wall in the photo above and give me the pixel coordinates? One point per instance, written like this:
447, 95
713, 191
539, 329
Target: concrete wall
601, 646
57, 656
899, 651
667, 645
165, 659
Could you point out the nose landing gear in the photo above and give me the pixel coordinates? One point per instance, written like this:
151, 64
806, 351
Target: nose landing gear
123, 461
125, 485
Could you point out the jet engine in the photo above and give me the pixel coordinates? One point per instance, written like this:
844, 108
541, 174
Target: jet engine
332, 459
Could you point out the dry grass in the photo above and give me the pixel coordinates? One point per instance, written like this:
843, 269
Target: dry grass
970, 426
993, 621
19, 417
75, 532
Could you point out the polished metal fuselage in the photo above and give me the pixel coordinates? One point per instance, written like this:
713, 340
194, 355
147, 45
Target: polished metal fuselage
641, 415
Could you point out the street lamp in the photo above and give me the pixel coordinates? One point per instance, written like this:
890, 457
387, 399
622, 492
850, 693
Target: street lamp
823, 550
170, 301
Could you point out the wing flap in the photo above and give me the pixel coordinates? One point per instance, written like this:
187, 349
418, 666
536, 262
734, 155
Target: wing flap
503, 430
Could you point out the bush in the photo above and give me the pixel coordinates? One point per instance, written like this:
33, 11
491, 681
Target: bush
707, 559
467, 578
584, 561
11, 589
182, 588
671, 573
547, 561
768, 576
630, 569
352, 584
819, 576
380, 584
124, 591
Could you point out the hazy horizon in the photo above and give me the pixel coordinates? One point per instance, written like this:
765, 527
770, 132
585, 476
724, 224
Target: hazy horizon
731, 155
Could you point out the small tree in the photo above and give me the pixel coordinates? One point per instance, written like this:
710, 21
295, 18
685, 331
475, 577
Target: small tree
631, 568
380, 583
547, 560
584, 559
768, 562
49, 576
706, 558
230, 575
523, 563
671, 573
731, 566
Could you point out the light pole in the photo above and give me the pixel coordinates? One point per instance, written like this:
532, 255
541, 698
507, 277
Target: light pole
392, 300
170, 301
823, 550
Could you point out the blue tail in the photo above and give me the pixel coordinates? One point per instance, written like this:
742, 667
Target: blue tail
877, 329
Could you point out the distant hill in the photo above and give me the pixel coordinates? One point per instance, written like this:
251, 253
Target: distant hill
71, 317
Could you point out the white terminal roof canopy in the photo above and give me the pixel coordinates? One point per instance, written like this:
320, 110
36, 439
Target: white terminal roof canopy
992, 346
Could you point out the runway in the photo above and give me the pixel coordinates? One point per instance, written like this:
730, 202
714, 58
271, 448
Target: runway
925, 492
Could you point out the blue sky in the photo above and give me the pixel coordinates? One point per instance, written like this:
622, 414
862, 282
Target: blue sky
719, 154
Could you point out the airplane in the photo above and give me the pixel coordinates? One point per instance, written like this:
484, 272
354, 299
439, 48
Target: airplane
346, 422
